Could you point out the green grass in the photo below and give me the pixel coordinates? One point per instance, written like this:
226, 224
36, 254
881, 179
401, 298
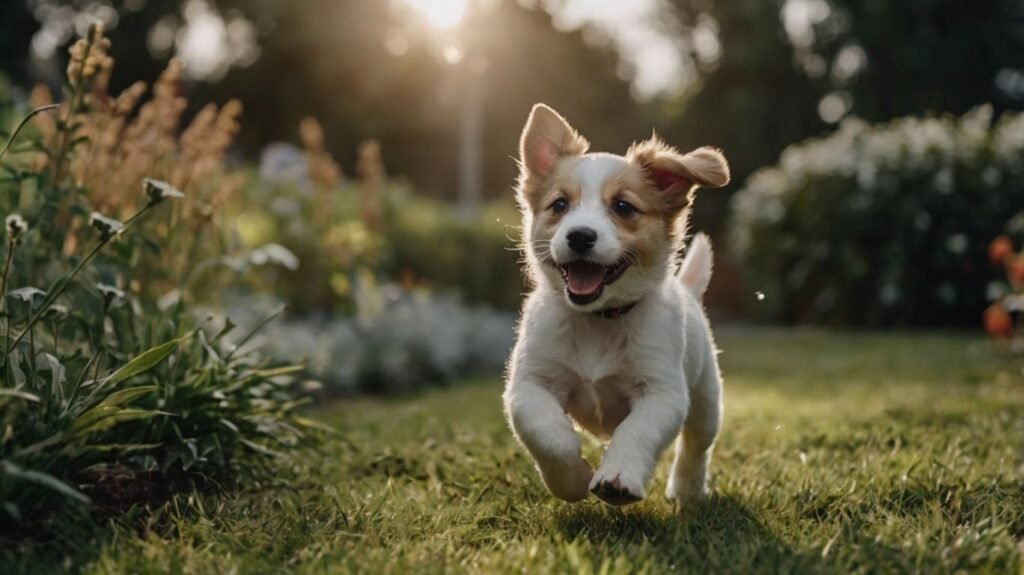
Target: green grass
840, 453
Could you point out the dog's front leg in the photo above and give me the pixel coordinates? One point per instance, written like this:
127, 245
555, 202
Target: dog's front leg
540, 423
654, 420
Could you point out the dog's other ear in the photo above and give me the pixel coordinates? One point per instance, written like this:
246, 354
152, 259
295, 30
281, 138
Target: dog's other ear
676, 175
546, 139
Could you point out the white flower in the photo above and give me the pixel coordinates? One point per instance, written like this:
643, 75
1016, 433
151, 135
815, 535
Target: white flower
16, 226
107, 227
159, 191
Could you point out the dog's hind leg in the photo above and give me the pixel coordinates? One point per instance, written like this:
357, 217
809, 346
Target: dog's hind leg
688, 478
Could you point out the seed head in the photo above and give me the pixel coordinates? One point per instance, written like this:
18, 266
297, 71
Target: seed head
159, 191
107, 227
16, 227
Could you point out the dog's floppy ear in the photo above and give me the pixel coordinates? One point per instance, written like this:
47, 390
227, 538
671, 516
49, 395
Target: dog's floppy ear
546, 139
676, 175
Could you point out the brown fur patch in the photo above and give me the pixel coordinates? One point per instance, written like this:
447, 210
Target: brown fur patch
676, 175
547, 140
644, 233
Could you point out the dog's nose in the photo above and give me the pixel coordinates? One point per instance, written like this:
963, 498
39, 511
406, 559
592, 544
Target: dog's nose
581, 240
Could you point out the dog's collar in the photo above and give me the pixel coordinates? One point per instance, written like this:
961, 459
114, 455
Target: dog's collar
615, 312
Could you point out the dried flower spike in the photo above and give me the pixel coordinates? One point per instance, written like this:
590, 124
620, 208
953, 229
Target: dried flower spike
88, 56
16, 226
107, 227
159, 191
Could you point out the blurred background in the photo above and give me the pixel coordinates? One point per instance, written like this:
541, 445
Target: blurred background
357, 158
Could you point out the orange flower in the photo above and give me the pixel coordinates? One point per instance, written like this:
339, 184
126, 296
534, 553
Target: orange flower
1000, 249
997, 321
1015, 271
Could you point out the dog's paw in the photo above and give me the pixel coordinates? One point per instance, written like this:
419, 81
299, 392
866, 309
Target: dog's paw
617, 488
685, 497
568, 481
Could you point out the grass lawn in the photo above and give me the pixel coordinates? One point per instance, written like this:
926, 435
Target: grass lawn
840, 453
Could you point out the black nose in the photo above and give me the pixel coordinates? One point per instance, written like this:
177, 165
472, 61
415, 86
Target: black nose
581, 239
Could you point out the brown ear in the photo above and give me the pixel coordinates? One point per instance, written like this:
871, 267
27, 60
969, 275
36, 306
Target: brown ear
675, 174
546, 139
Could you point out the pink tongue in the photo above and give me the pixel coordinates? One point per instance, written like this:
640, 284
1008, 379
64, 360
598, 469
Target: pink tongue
584, 278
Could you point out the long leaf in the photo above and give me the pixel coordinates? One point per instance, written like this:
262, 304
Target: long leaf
125, 395
144, 361
259, 326
104, 417
44, 479
19, 394
120, 447
276, 371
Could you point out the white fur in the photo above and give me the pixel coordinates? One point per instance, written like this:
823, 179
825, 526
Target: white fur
638, 381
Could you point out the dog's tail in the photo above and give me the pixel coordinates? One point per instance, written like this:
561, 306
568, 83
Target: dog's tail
695, 272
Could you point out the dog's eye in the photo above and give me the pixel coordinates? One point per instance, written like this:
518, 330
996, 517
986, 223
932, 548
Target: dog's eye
623, 208
560, 205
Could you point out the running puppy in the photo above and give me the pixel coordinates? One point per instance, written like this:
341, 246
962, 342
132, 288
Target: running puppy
613, 334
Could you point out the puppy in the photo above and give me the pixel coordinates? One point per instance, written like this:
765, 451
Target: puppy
613, 334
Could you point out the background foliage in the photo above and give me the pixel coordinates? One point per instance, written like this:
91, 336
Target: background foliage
883, 224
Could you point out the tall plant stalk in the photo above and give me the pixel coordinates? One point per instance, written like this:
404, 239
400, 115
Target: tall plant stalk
62, 284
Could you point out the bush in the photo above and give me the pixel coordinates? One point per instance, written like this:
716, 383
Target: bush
98, 380
340, 230
884, 224
475, 258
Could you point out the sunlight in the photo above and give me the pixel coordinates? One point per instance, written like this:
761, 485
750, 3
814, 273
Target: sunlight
441, 14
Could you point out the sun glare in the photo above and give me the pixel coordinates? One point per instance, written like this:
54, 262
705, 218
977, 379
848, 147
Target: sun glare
441, 14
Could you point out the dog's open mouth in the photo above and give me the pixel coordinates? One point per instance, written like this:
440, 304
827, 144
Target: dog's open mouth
585, 280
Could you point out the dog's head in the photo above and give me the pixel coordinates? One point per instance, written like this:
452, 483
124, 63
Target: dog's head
604, 228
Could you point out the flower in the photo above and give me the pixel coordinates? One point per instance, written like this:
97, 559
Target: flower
16, 226
997, 321
1000, 249
1015, 271
111, 295
27, 294
274, 254
107, 227
159, 191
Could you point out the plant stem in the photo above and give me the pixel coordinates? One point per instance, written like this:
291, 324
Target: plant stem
76, 98
54, 293
21, 125
8, 368
7, 270
32, 352
56, 338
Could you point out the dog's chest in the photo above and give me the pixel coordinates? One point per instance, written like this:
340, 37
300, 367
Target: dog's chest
601, 385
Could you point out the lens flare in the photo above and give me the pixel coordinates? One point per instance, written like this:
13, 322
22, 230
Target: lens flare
441, 14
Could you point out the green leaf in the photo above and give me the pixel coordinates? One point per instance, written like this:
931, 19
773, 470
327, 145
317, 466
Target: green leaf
259, 326
144, 361
263, 450
121, 447
18, 394
43, 479
274, 372
104, 417
125, 395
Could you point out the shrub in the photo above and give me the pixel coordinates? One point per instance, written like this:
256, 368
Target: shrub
884, 224
98, 381
342, 229
474, 257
